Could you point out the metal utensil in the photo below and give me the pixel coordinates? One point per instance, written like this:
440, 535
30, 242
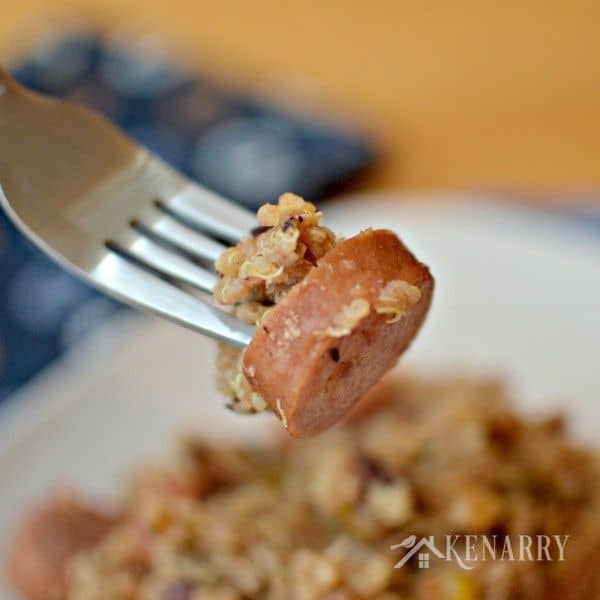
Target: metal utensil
113, 213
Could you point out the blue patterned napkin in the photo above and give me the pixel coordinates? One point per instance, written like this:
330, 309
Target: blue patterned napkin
243, 147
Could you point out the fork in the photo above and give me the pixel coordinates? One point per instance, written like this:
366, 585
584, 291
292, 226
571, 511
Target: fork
115, 214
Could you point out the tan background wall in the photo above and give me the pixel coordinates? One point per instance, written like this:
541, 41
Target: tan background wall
459, 93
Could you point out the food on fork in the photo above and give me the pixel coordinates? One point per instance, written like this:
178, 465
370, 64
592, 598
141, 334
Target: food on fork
323, 519
332, 315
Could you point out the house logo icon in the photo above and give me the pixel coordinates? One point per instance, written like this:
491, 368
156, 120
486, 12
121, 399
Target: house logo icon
424, 547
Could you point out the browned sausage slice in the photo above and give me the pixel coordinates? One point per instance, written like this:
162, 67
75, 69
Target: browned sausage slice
47, 540
338, 331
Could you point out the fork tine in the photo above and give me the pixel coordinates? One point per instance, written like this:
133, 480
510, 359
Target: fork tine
166, 261
119, 278
168, 229
212, 213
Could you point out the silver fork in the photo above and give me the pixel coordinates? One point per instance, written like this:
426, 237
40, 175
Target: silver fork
115, 214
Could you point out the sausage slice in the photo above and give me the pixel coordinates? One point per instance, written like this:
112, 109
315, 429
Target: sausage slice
47, 540
338, 331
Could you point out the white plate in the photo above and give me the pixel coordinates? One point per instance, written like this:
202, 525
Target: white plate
518, 293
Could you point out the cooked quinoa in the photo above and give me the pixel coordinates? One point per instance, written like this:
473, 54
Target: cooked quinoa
316, 519
256, 273
396, 299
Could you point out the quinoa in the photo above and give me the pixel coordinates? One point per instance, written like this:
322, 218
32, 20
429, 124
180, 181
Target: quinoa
317, 519
348, 317
258, 272
396, 299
